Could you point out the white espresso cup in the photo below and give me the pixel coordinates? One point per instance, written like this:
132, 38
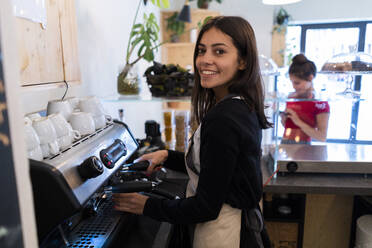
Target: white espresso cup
60, 124
74, 102
91, 104
59, 106
49, 149
65, 141
82, 122
36, 153
45, 130
31, 137
33, 116
100, 121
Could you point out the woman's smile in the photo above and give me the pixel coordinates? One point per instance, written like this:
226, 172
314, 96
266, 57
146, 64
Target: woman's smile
217, 61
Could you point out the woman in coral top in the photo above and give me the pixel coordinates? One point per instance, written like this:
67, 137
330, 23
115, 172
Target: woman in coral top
305, 118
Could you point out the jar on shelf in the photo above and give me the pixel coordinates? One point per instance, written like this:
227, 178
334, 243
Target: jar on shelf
182, 129
168, 118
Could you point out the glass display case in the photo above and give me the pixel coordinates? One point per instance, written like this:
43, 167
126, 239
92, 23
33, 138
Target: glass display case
348, 147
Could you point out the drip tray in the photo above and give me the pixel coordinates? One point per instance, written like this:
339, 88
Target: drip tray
94, 231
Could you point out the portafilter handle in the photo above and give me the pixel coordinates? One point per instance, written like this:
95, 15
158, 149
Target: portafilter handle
138, 166
131, 186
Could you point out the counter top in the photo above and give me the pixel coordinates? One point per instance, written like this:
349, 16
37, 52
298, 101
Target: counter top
317, 183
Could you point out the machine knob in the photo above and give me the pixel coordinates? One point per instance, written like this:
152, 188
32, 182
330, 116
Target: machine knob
91, 167
113, 153
292, 167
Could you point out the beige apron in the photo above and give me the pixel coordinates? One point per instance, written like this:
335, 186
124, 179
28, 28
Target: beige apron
223, 231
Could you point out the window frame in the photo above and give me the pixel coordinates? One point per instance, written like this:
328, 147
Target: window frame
362, 25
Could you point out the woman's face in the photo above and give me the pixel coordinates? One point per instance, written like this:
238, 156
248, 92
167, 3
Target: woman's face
217, 61
301, 86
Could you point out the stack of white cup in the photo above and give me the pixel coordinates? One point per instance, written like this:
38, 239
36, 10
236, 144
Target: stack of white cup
65, 134
92, 105
47, 135
32, 141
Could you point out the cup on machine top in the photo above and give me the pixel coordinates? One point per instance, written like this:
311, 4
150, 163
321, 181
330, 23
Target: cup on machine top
47, 135
82, 122
59, 106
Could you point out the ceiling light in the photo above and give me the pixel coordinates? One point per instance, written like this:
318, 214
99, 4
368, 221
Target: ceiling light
279, 2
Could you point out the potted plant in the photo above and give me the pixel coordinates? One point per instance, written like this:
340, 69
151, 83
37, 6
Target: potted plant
204, 4
169, 80
281, 20
176, 27
144, 36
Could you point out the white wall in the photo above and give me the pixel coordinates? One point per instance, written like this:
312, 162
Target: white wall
103, 28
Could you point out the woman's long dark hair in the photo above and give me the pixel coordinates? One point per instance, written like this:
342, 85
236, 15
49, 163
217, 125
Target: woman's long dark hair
247, 83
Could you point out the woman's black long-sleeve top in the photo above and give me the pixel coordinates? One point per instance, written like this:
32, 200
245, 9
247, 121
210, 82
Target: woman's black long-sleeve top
230, 150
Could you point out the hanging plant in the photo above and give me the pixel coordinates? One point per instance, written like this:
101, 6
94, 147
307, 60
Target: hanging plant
281, 20
204, 4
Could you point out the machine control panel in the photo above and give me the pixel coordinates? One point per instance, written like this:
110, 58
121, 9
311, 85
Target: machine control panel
113, 153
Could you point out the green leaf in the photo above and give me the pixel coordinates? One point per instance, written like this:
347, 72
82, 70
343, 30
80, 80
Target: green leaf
138, 25
136, 41
201, 23
163, 4
149, 55
139, 53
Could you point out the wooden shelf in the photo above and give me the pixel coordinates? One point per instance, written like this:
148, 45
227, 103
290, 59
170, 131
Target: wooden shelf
197, 15
178, 53
182, 52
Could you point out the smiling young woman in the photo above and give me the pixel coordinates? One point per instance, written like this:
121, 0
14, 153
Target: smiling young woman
223, 157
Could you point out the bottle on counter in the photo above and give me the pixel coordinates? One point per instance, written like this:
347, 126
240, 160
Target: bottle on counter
121, 115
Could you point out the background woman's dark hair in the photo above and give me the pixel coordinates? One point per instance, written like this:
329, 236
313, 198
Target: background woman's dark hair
301, 67
247, 83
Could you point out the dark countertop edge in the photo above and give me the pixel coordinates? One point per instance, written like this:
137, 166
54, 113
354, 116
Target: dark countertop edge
316, 190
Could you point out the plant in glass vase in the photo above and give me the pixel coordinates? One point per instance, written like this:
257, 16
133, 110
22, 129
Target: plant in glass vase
143, 36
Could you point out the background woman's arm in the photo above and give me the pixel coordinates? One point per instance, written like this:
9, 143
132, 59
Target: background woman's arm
319, 132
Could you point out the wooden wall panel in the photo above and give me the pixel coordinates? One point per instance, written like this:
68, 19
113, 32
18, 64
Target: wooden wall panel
49, 55
178, 53
327, 221
40, 49
278, 46
69, 40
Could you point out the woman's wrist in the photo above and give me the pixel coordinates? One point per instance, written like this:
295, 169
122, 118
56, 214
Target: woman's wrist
164, 155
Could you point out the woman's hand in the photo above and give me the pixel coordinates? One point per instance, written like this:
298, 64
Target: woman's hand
155, 158
294, 117
129, 202
283, 117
